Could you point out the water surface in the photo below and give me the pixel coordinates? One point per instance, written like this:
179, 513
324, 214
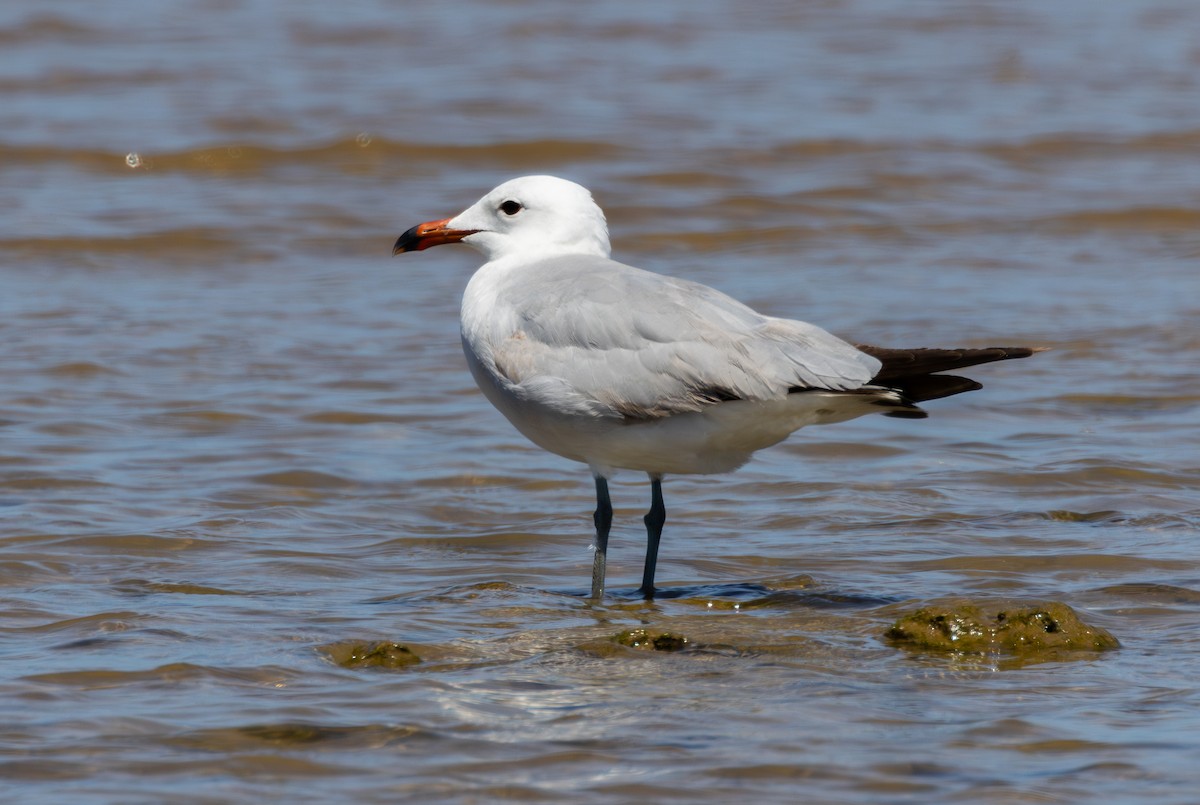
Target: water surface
235, 433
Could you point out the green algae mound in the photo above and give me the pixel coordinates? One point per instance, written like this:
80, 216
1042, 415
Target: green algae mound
642, 639
1019, 628
371, 655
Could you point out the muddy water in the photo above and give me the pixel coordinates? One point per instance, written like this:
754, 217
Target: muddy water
237, 439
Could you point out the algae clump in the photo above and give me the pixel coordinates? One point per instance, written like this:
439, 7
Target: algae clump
642, 639
384, 654
998, 627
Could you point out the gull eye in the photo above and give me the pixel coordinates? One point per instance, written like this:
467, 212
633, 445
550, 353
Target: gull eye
511, 207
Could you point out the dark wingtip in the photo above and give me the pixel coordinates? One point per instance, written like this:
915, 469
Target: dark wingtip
908, 413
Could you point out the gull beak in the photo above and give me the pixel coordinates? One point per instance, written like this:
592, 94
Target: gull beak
433, 233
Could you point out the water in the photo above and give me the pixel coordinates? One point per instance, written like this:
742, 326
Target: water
237, 436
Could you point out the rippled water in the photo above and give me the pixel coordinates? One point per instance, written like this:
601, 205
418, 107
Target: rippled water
236, 437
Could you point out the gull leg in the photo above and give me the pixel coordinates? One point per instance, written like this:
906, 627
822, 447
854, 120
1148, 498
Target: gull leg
603, 520
654, 520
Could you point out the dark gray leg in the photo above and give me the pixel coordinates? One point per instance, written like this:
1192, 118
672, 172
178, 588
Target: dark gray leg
654, 520
603, 520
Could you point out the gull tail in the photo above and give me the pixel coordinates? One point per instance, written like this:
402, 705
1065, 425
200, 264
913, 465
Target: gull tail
914, 372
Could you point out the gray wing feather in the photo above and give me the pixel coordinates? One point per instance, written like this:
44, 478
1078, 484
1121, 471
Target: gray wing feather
596, 336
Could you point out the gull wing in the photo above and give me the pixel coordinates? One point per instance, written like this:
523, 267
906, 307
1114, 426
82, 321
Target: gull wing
588, 334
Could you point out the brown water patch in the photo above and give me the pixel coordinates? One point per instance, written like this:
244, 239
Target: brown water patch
74, 430
1128, 404
171, 674
184, 246
246, 766
99, 622
140, 544
361, 418
302, 479
772, 771
353, 155
483, 589
1087, 146
1141, 219
37, 769
199, 423
1051, 563
44, 26
293, 734
14, 571
687, 179
818, 148
203, 418
79, 369
524, 483
1062, 745
47, 482
1064, 516
1100, 475
1147, 592
144, 586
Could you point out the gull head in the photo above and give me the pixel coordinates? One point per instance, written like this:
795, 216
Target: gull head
528, 218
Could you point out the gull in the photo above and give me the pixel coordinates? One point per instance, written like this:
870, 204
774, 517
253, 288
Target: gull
620, 368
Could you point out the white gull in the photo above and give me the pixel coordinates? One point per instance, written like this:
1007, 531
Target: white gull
620, 368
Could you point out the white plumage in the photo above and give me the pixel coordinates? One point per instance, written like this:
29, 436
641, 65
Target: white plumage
621, 368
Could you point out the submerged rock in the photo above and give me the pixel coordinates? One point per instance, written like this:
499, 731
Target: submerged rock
384, 654
642, 639
998, 627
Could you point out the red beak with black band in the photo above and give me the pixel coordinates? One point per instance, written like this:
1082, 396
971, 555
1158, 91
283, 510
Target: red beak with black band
433, 233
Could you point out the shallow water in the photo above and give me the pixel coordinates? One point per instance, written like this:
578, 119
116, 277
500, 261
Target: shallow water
236, 436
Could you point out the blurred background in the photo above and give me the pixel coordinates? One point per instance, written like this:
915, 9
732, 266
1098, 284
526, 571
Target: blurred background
237, 436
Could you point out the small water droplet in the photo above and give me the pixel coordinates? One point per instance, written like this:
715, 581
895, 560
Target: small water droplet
363, 139
133, 159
